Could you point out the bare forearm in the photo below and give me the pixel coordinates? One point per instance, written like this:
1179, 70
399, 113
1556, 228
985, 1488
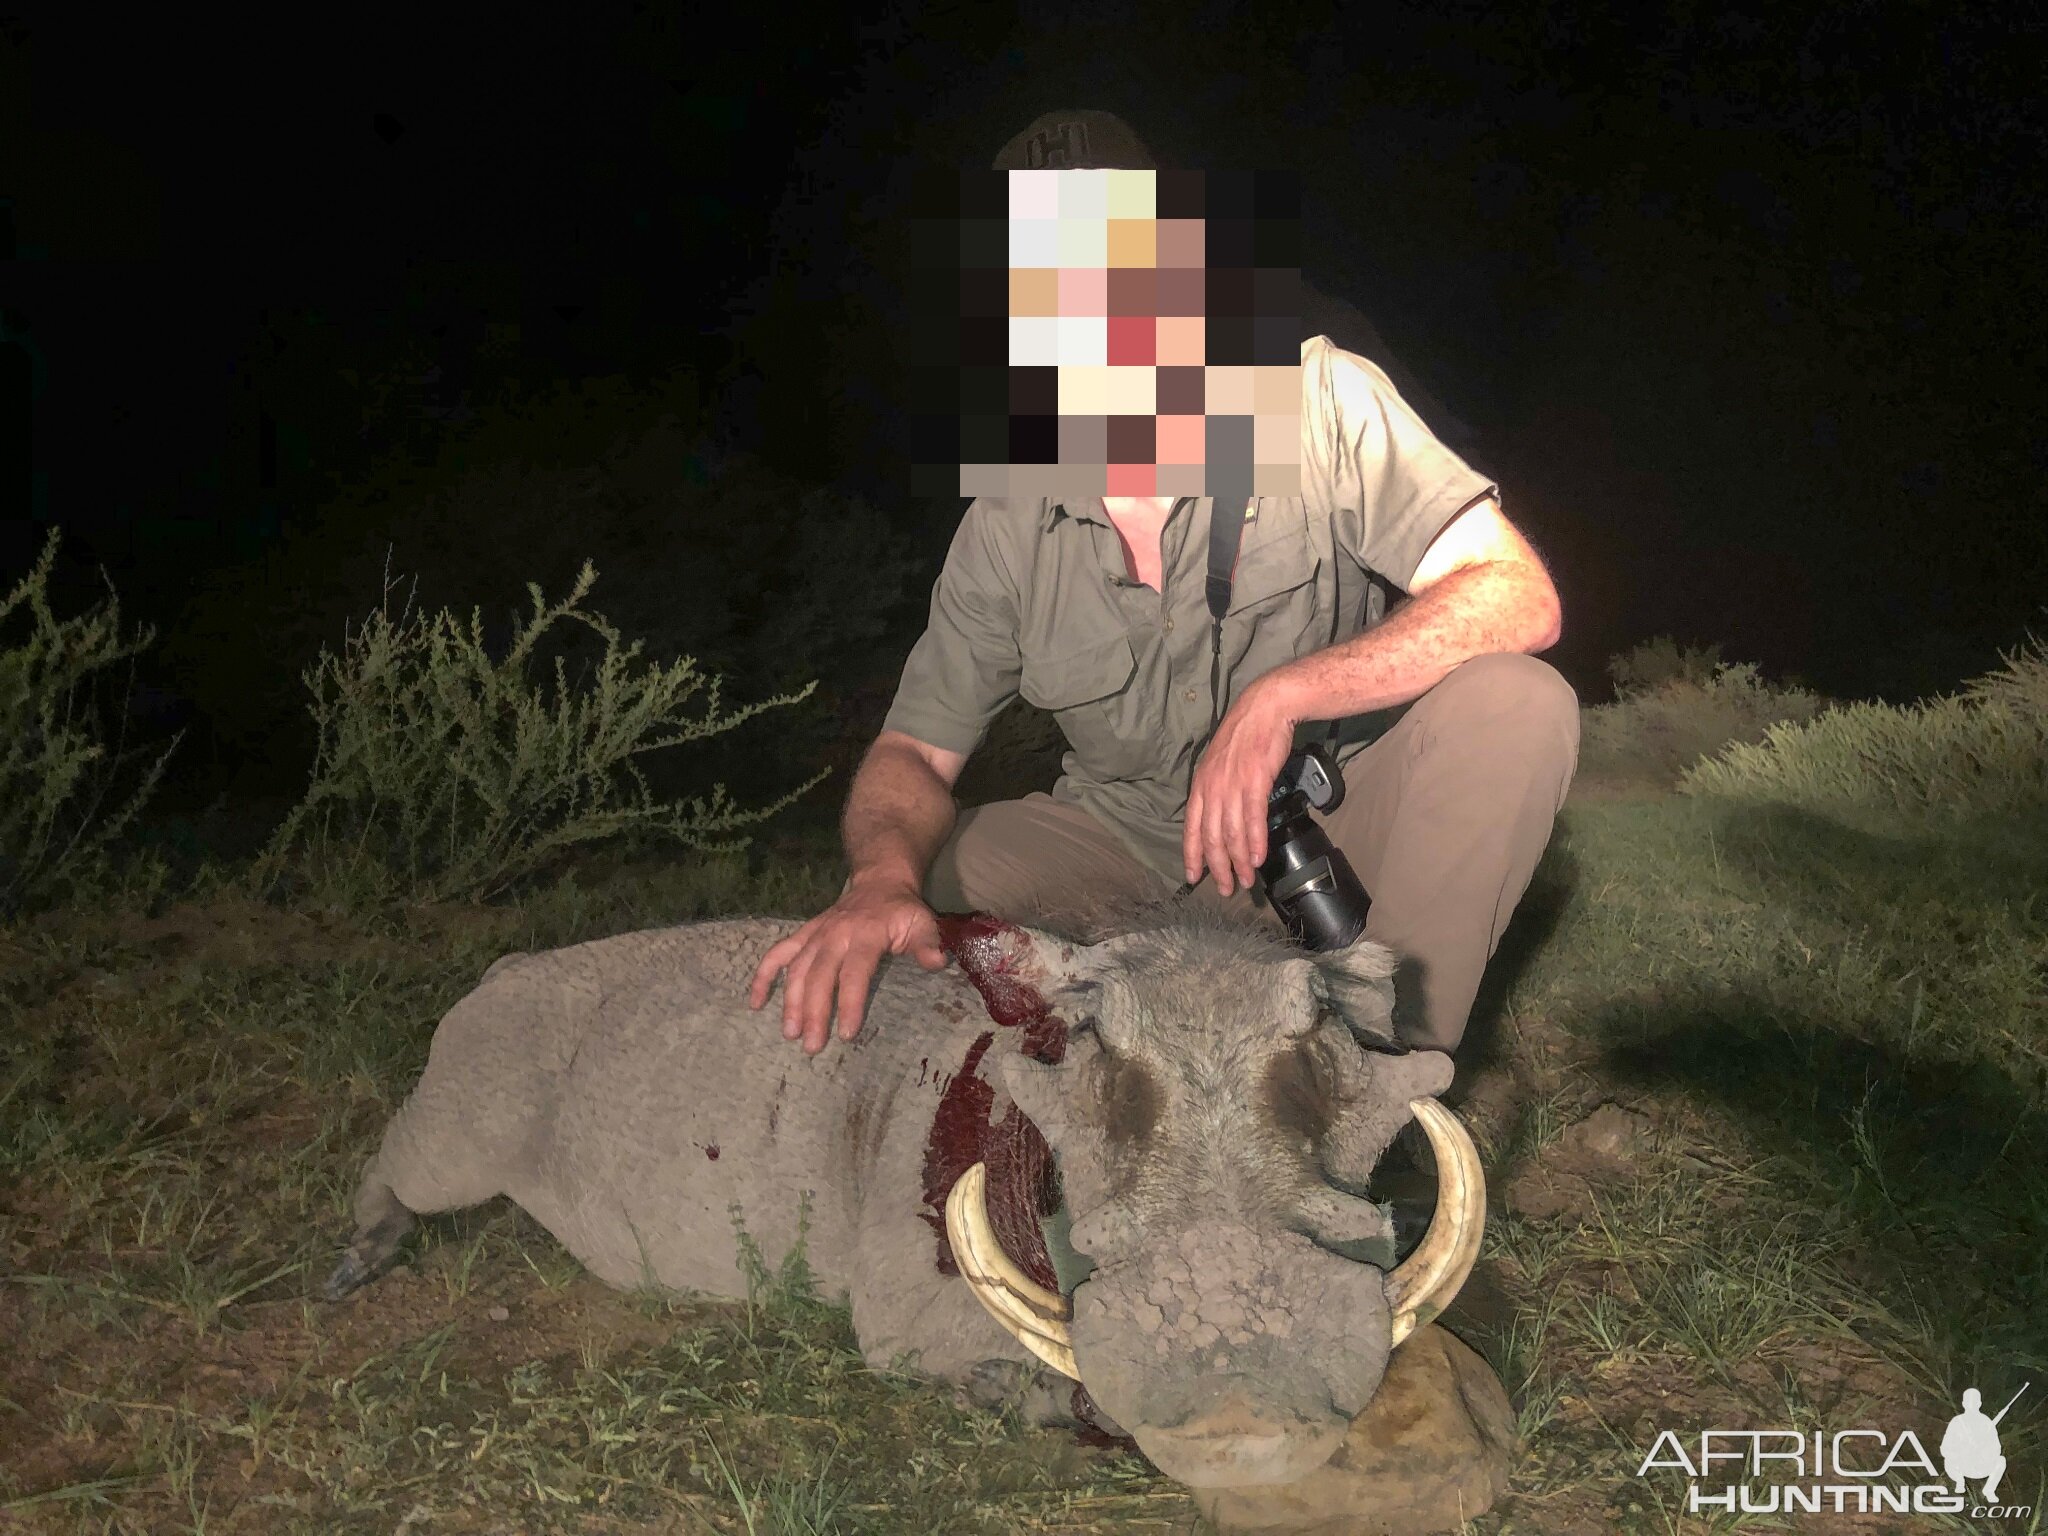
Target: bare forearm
898, 815
1471, 612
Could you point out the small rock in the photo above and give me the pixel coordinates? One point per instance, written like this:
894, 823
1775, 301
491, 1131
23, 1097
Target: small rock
1588, 1154
498, 1314
1430, 1452
1610, 1132
1544, 1195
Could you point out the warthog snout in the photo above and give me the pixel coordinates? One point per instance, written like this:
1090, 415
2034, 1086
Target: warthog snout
1232, 1436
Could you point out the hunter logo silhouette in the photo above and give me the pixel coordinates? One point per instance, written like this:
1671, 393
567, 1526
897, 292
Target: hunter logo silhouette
1969, 1447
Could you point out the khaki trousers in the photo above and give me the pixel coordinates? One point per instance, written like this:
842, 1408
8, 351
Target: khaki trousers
1443, 818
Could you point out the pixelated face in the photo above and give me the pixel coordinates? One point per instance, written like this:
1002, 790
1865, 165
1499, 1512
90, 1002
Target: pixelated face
1124, 333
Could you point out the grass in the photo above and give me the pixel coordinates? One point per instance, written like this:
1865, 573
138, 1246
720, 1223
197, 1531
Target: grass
1842, 1033
178, 1158
1837, 1030
1676, 704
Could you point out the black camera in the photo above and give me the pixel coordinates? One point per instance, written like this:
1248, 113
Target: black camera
1306, 877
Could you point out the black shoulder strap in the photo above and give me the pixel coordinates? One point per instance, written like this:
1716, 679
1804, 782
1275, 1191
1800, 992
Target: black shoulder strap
1226, 532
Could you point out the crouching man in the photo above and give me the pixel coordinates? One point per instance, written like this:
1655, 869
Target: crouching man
1096, 607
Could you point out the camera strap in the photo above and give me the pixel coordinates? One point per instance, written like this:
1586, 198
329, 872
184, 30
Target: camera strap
1226, 533
1336, 616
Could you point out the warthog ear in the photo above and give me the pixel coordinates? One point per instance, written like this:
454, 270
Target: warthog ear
1373, 1106
1357, 984
1016, 968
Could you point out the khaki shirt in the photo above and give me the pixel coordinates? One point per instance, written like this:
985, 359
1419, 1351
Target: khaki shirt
1034, 600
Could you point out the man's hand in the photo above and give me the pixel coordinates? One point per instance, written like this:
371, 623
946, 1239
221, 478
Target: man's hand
1226, 822
835, 954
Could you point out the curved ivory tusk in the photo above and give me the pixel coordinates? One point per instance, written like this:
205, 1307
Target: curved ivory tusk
1424, 1283
1036, 1317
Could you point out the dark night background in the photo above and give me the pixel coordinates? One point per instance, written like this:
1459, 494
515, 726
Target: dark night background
1743, 310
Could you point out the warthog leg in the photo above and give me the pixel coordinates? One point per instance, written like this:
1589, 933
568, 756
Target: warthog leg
382, 1223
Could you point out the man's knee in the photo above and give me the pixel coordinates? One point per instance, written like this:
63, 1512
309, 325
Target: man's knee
977, 867
1510, 691
1033, 862
1511, 680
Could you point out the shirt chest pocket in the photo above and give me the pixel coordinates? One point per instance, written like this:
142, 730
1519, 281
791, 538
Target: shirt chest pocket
1089, 691
1274, 595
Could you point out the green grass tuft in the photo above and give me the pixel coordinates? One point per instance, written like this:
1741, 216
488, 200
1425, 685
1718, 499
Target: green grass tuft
1652, 732
1981, 753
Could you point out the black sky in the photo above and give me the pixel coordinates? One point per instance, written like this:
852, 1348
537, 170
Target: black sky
1747, 307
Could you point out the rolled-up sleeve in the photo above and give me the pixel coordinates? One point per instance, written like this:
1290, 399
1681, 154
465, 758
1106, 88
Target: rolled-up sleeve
963, 671
1390, 485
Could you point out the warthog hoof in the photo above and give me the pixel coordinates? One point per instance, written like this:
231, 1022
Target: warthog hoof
348, 1274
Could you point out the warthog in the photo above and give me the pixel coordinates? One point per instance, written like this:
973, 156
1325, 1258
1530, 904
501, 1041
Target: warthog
1137, 1163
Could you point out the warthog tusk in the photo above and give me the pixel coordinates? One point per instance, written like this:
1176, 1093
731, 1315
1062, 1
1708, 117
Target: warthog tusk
1424, 1283
1036, 1317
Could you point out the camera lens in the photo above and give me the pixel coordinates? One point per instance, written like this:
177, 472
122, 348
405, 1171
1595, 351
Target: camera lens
1309, 881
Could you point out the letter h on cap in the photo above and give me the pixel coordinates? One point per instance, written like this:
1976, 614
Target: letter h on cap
1060, 145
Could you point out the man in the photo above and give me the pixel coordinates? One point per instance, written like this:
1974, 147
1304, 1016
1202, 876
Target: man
1094, 607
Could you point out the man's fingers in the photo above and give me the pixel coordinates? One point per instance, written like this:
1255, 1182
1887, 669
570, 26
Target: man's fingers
828, 966
806, 1021
1244, 826
771, 966
855, 973
799, 991
791, 982
924, 944
818, 1017
1234, 843
1226, 819
1215, 853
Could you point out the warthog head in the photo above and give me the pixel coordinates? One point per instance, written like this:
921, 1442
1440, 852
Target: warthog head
1228, 1294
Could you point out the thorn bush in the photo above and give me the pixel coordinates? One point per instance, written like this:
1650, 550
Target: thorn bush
56, 769
443, 772
1651, 665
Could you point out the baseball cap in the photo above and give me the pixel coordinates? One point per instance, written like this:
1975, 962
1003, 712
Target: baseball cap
1076, 137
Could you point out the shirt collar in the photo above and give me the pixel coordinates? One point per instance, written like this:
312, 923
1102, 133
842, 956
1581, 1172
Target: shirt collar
1084, 509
